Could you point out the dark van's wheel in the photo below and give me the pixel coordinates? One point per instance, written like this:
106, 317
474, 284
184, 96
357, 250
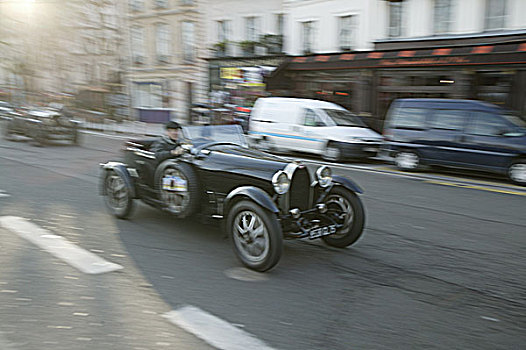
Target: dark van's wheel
517, 172
76, 138
407, 160
178, 188
345, 208
118, 197
256, 235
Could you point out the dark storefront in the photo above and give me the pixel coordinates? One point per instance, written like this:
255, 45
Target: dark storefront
367, 82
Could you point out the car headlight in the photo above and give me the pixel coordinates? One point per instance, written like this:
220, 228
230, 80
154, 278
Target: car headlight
324, 174
281, 182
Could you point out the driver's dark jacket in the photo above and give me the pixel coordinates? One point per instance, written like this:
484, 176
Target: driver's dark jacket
163, 147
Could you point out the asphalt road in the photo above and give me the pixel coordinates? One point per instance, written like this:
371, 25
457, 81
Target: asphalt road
441, 265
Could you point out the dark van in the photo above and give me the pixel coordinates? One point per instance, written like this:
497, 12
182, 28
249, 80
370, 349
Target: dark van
456, 133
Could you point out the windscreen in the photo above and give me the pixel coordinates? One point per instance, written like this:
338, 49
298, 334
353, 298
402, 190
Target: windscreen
344, 118
199, 135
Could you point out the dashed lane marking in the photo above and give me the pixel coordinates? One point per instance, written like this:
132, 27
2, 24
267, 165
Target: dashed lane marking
475, 187
214, 330
58, 246
3, 194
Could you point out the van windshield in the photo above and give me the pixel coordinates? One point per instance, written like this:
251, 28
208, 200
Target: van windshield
344, 118
516, 120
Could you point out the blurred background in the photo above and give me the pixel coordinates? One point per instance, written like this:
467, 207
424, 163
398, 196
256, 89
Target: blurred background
139, 59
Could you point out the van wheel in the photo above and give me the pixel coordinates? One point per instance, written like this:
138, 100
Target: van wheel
407, 160
517, 172
332, 153
266, 145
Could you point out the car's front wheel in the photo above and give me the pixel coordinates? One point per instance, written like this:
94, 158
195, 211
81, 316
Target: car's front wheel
332, 153
346, 209
118, 198
517, 172
256, 235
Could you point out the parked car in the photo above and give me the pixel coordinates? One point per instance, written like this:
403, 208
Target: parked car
261, 198
319, 127
42, 125
456, 133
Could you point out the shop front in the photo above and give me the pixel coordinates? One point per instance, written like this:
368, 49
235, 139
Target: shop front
367, 82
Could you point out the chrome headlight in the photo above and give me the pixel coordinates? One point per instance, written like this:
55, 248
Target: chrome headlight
324, 175
281, 182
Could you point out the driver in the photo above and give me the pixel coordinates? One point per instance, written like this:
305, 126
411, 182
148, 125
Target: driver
168, 145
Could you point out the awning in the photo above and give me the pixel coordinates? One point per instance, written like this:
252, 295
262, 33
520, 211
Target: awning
512, 54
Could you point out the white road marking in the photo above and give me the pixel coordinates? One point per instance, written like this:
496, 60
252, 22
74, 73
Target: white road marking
246, 275
58, 246
214, 330
3, 194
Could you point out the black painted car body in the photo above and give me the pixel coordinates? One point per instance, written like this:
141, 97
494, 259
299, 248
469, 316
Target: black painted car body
261, 198
42, 126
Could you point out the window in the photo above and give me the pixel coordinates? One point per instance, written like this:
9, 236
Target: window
223, 31
307, 31
250, 29
409, 118
496, 13
280, 23
310, 118
188, 41
395, 19
487, 124
347, 32
136, 5
162, 37
442, 16
137, 44
448, 119
161, 4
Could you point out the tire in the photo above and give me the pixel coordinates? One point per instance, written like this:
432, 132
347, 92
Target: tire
517, 172
342, 201
38, 139
118, 197
180, 203
407, 160
6, 132
266, 145
332, 153
260, 246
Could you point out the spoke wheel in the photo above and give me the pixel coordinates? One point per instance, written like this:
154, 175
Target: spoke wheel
332, 153
176, 201
181, 196
407, 160
118, 197
256, 235
517, 173
346, 209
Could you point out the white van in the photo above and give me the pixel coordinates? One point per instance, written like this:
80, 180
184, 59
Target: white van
320, 127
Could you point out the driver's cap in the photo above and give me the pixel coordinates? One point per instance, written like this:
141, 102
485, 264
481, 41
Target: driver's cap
172, 125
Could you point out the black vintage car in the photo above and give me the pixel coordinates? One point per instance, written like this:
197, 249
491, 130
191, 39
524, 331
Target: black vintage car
261, 198
42, 125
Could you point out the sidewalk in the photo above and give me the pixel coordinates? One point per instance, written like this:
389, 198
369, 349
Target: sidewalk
126, 127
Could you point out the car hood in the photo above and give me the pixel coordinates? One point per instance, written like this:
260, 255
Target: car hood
246, 161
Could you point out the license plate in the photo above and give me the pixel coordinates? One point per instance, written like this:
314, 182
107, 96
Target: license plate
370, 149
174, 183
322, 231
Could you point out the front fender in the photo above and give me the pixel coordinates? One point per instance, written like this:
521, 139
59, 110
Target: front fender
254, 193
122, 171
347, 183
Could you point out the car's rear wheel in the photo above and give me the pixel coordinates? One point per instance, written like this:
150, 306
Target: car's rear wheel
256, 235
266, 145
407, 160
332, 153
76, 137
345, 208
118, 198
517, 172
178, 187
6, 131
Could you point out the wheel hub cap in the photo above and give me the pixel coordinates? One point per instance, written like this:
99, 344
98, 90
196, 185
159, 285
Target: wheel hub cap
518, 173
251, 236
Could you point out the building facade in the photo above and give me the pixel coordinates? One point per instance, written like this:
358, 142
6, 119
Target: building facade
166, 66
423, 48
